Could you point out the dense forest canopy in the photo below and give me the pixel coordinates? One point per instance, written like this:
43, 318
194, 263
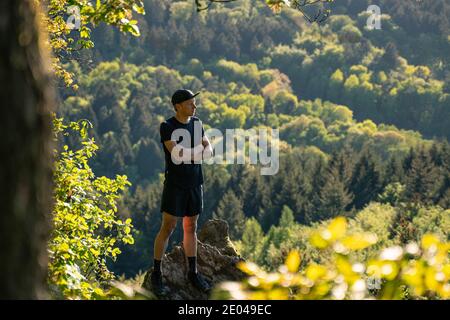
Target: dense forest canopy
336, 91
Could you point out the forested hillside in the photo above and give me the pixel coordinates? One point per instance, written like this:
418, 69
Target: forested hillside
356, 108
396, 75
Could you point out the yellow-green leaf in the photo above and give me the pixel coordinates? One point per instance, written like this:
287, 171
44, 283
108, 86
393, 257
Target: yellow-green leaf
337, 228
318, 241
293, 261
248, 267
429, 240
359, 241
315, 272
94, 251
63, 247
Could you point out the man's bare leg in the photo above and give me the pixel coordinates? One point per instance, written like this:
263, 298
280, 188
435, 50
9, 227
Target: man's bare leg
190, 250
190, 236
168, 224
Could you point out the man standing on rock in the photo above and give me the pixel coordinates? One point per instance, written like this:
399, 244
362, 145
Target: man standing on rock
185, 146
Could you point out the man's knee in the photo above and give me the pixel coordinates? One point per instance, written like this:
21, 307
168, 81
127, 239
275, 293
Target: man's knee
168, 227
190, 225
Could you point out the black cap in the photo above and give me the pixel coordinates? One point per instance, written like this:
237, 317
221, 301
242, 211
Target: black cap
182, 95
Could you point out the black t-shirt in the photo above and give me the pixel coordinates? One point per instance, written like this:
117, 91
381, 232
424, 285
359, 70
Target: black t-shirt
185, 175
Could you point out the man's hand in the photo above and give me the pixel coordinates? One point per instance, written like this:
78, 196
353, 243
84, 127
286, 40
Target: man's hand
208, 150
203, 151
180, 154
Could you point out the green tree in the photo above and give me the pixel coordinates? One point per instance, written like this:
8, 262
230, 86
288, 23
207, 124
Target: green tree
287, 218
86, 230
336, 85
422, 177
230, 210
366, 181
390, 58
285, 102
294, 189
251, 239
333, 197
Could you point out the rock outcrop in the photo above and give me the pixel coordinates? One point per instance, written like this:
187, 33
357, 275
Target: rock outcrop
217, 259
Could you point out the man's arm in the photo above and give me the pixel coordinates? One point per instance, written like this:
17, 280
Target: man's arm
181, 153
200, 152
170, 144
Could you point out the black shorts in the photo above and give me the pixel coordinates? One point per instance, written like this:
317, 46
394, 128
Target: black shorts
180, 202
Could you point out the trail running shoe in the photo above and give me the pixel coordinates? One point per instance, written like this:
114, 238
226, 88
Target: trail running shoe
157, 284
199, 282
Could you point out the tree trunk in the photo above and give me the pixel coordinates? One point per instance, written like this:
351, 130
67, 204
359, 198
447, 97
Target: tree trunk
27, 99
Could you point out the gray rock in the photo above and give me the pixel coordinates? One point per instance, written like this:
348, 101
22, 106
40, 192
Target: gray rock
216, 260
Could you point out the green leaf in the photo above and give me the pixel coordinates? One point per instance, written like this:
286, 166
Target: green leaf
84, 34
139, 9
135, 30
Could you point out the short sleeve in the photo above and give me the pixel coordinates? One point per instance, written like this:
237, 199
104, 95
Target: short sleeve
203, 129
165, 131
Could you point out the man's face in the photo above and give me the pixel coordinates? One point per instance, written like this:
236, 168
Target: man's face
187, 108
